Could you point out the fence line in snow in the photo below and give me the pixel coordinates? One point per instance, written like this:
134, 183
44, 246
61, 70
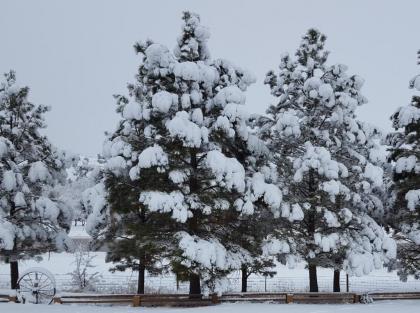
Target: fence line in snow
186, 300
167, 284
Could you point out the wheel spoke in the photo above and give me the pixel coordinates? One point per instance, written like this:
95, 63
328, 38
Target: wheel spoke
25, 279
25, 289
39, 279
45, 283
49, 293
46, 289
47, 279
25, 286
29, 276
22, 285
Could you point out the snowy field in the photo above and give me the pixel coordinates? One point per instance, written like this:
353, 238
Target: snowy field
285, 280
61, 264
407, 306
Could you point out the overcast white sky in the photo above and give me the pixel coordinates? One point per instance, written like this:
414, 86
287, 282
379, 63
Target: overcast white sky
75, 54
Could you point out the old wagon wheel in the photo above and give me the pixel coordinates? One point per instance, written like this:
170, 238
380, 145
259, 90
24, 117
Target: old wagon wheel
36, 285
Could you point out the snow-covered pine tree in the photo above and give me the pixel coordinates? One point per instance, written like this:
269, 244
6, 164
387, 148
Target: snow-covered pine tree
178, 158
405, 207
262, 202
136, 238
357, 146
32, 219
82, 175
326, 160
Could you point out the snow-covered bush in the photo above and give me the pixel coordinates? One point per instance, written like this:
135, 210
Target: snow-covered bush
82, 278
366, 298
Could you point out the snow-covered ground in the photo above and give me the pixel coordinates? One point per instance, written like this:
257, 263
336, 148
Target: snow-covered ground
407, 306
60, 264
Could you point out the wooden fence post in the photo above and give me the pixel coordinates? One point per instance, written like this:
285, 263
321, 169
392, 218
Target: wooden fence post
356, 298
289, 298
136, 301
13, 299
215, 298
57, 300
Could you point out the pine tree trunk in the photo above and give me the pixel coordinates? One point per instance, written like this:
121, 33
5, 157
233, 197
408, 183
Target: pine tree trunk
14, 274
336, 284
336, 280
140, 283
195, 288
244, 276
313, 280
177, 281
347, 283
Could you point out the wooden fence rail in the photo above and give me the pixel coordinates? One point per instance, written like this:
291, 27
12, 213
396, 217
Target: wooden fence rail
4, 298
253, 297
185, 300
95, 299
323, 297
394, 295
173, 300
7, 298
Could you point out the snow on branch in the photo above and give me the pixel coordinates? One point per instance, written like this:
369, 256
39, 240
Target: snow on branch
165, 203
228, 171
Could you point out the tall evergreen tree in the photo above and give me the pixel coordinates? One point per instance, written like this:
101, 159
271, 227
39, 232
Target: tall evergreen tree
184, 157
32, 218
405, 206
327, 161
258, 224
